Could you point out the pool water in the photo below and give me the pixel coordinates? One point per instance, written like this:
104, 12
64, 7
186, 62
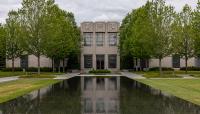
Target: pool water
98, 95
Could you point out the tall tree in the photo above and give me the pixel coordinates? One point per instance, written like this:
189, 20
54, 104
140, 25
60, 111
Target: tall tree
184, 39
32, 18
162, 17
196, 29
13, 30
2, 45
61, 34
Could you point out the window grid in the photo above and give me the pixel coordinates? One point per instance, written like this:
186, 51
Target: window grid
112, 39
87, 39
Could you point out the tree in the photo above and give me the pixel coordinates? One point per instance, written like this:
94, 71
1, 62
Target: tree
134, 41
184, 41
162, 17
13, 30
32, 18
61, 35
2, 44
196, 30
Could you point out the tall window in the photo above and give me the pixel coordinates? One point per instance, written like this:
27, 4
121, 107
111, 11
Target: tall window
100, 39
24, 61
87, 39
112, 61
176, 61
88, 61
112, 38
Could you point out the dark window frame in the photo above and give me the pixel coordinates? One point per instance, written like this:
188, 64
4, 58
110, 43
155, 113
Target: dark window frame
86, 65
99, 35
112, 38
88, 38
111, 64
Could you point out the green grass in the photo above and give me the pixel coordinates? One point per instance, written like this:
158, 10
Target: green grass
168, 74
38, 76
188, 89
155, 74
8, 74
13, 89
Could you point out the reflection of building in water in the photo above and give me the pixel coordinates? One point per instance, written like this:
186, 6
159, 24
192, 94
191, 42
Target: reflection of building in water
100, 95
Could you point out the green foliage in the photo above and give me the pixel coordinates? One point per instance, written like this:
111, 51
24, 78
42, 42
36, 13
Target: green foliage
13, 35
30, 69
163, 68
191, 68
99, 71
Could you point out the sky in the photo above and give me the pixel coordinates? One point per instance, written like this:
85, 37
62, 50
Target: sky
94, 10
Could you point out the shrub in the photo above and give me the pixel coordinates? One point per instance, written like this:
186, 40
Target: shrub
191, 68
99, 71
10, 69
35, 69
163, 68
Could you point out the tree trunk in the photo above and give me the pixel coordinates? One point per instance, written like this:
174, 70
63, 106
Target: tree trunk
63, 65
13, 64
39, 65
59, 67
186, 65
160, 66
53, 65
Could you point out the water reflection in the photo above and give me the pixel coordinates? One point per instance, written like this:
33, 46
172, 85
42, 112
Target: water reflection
103, 98
93, 95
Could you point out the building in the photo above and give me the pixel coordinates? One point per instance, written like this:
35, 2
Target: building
100, 46
100, 50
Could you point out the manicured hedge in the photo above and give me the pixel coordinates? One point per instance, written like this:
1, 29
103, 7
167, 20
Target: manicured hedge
191, 68
163, 68
31, 69
99, 71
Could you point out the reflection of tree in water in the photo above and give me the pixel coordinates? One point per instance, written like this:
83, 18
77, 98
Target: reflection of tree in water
63, 98
140, 99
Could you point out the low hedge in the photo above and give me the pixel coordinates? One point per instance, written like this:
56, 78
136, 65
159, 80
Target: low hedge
31, 69
99, 71
163, 68
191, 68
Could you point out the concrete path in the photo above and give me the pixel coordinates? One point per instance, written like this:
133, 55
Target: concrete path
132, 75
66, 76
7, 79
186, 76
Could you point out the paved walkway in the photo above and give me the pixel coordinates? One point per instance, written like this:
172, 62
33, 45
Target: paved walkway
132, 75
186, 76
7, 79
66, 76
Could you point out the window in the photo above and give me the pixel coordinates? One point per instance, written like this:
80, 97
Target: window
198, 62
113, 106
88, 85
24, 61
100, 106
100, 39
176, 61
2, 62
100, 84
112, 61
112, 38
88, 105
88, 61
87, 39
112, 85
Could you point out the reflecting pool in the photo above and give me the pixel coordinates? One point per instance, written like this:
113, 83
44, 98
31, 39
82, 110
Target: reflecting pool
98, 95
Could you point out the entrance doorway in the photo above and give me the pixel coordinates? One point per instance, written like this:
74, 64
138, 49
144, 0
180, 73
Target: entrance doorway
100, 62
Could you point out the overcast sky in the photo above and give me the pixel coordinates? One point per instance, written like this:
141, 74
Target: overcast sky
94, 10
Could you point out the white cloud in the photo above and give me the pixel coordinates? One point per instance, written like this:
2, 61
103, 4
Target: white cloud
94, 10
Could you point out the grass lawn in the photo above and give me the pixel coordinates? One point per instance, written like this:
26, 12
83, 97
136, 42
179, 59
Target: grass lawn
188, 89
7, 74
168, 74
44, 74
38, 76
13, 89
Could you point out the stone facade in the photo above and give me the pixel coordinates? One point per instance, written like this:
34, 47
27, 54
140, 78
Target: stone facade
103, 28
